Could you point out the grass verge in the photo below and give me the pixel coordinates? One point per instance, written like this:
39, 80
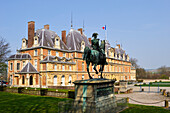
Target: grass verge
133, 108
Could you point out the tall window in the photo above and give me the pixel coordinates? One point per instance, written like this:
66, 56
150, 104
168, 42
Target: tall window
23, 63
35, 63
18, 66
64, 54
49, 52
11, 80
82, 77
55, 67
23, 80
57, 42
57, 53
63, 67
63, 80
35, 52
82, 66
70, 79
55, 80
70, 68
11, 66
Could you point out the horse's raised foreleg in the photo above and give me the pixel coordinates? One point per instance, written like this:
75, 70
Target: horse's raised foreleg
95, 68
88, 70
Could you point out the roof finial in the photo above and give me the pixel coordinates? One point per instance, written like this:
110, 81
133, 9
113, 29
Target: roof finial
83, 26
71, 21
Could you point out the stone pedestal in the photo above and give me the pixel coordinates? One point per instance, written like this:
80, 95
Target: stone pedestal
95, 94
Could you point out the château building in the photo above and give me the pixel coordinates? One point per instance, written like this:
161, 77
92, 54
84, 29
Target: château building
45, 58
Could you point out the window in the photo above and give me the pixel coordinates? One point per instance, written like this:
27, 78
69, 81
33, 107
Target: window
49, 52
35, 40
35, 63
24, 43
23, 63
64, 55
57, 42
63, 67
63, 80
70, 68
55, 67
35, 52
57, 53
11, 80
70, 80
11, 66
18, 66
55, 80
82, 66
82, 77
23, 80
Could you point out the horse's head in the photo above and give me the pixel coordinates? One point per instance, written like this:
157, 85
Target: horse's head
86, 52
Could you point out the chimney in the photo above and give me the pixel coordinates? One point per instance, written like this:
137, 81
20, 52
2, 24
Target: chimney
118, 45
81, 30
64, 36
31, 27
89, 40
46, 26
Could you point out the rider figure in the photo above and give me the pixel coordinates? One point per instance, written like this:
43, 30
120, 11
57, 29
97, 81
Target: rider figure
95, 43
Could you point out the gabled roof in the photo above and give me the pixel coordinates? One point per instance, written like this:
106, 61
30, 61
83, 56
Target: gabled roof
29, 68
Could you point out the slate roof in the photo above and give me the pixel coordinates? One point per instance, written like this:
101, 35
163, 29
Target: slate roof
46, 38
20, 56
74, 39
28, 68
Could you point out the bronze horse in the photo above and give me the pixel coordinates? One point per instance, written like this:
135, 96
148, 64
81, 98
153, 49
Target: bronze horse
96, 58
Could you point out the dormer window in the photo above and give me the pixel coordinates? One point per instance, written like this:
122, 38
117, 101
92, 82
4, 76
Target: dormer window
49, 52
24, 43
35, 41
57, 42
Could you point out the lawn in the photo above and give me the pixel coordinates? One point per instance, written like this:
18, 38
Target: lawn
21, 103
133, 108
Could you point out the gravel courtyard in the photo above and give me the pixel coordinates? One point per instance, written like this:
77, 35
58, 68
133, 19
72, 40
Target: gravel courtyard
145, 98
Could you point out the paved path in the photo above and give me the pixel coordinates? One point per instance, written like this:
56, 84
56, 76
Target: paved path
144, 98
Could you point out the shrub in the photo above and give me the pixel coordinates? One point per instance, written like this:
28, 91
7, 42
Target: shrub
140, 80
155, 81
71, 94
136, 85
160, 81
144, 83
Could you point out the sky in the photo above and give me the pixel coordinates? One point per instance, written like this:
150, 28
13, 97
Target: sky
142, 27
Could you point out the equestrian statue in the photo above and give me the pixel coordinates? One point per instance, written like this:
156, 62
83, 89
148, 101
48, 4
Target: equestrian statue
96, 55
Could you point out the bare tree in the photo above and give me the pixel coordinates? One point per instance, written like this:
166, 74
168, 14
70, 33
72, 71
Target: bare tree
134, 62
4, 51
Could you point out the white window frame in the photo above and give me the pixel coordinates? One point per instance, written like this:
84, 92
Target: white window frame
35, 63
35, 52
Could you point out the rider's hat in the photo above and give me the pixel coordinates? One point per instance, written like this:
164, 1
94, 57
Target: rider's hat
94, 34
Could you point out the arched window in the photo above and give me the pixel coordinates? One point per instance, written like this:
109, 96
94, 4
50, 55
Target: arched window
69, 80
35, 40
63, 80
31, 80
24, 43
55, 80
57, 42
23, 80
